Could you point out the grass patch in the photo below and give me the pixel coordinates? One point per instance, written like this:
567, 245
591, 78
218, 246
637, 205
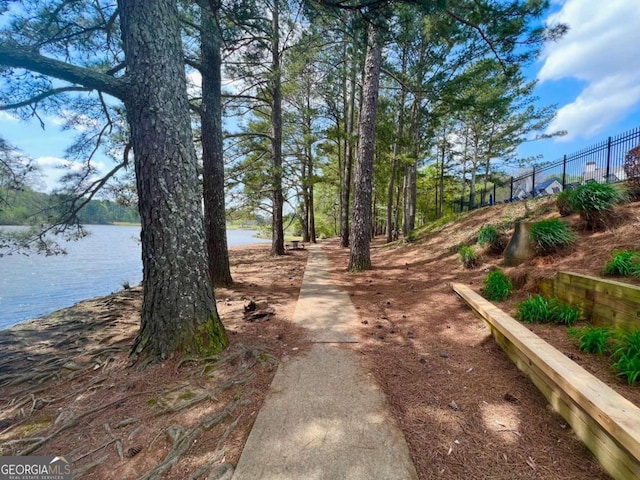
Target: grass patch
627, 357
625, 263
537, 309
592, 339
468, 257
497, 286
490, 237
551, 236
563, 202
594, 202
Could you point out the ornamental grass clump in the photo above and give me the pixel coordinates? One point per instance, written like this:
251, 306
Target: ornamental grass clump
563, 313
563, 202
592, 339
625, 263
537, 309
551, 236
489, 236
627, 357
595, 201
533, 310
468, 257
497, 286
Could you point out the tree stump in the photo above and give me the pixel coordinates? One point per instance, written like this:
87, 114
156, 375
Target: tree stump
519, 248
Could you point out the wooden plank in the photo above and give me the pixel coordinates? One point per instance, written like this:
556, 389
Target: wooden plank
604, 420
605, 302
619, 466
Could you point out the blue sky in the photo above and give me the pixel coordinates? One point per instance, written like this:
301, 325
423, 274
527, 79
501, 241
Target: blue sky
592, 74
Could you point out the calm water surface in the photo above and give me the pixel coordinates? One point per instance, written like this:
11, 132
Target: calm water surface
97, 265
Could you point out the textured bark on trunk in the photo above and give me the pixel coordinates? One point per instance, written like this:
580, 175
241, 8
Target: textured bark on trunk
305, 198
411, 172
277, 225
212, 147
179, 311
312, 217
397, 147
360, 255
345, 191
441, 183
307, 172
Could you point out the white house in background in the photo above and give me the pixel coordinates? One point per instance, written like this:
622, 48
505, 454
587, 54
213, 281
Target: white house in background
593, 174
549, 187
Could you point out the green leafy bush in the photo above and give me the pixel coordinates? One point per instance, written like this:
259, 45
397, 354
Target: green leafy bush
563, 202
537, 309
592, 339
497, 286
533, 310
489, 235
551, 236
594, 201
627, 356
563, 313
628, 366
468, 257
623, 262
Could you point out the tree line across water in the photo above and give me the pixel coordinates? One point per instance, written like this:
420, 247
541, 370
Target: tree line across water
28, 207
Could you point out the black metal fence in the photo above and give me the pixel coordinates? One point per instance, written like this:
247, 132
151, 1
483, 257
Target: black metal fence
602, 162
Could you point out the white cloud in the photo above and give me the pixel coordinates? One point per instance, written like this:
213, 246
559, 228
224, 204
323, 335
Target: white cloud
194, 83
5, 116
600, 50
53, 168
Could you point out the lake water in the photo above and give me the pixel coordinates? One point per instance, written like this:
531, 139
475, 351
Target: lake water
31, 286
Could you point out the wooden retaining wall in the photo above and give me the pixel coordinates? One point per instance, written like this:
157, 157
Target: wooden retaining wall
603, 302
607, 423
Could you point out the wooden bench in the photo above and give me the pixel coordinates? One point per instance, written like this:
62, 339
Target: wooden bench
606, 422
294, 245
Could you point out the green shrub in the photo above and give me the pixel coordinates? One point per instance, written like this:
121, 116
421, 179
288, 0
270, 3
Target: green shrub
627, 356
533, 310
628, 366
551, 236
537, 309
489, 235
623, 262
562, 313
563, 202
497, 286
592, 339
468, 257
594, 201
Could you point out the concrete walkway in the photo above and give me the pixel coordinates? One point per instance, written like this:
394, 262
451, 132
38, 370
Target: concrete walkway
325, 418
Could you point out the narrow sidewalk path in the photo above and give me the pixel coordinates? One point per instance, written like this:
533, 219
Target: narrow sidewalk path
325, 418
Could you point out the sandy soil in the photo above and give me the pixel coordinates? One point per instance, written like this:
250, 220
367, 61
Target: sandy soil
67, 385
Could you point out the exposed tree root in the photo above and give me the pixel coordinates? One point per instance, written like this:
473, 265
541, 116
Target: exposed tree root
71, 423
184, 442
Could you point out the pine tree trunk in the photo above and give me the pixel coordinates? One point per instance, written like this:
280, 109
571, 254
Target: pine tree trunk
397, 149
212, 148
409, 186
305, 199
360, 255
179, 310
277, 225
345, 192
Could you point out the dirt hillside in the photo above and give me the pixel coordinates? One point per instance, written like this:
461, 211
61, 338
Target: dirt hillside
466, 411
